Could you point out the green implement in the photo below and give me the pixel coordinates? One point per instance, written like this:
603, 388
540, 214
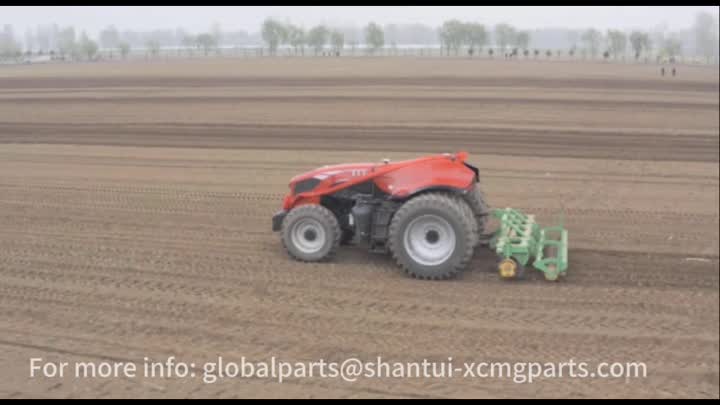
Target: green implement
519, 240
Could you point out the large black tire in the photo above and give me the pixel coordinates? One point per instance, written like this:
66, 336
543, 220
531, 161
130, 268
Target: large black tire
480, 208
453, 215
311, 233
469, 216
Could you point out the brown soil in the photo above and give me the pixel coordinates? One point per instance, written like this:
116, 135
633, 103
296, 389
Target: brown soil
135, 205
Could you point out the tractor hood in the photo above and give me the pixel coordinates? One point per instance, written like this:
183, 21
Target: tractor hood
361, 169
322, 173
399, 179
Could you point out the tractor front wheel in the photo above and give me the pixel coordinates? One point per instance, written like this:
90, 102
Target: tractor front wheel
311, 233
432, 236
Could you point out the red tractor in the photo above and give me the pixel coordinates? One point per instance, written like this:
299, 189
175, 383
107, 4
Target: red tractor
429, 213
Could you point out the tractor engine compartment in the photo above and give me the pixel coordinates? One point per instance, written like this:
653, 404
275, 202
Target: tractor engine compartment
364, 212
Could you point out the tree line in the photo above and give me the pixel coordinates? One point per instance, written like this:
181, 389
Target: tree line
276, 33
474, 37
454, 37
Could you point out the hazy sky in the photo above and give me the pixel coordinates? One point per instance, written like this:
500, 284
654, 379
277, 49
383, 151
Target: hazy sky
196, 19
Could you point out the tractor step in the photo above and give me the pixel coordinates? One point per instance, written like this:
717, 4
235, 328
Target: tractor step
521, 239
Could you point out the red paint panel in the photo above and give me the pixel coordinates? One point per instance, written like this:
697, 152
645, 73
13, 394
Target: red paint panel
398, 178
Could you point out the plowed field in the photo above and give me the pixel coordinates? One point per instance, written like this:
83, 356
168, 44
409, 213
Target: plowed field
135, 206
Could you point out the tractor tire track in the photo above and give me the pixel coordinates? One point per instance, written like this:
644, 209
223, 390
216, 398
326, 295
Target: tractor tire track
558, 143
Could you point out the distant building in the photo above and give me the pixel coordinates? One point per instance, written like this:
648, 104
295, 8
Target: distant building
38, 59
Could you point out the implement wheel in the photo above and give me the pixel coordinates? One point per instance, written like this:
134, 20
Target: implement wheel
510, 269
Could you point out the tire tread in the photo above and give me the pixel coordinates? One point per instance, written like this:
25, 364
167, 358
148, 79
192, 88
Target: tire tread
323, 214
446, 202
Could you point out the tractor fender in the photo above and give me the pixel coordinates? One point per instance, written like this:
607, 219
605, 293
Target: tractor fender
433, 174
291, 202
433, 189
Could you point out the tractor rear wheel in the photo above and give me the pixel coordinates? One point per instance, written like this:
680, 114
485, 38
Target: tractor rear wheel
480, 208
433, 236
311, 233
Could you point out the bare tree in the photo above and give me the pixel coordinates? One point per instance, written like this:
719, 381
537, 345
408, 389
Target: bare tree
706, 35
444, 39
153, 47
273, 33
216, 32
390, 34
592, 38
207, 42
573, 37
42, 38
672, 47
640, 43
9, 47
337, 40
109, 38
476, 36
66, 42
504, 36
317, 37
453, 34
296, 38
353, 45
522, 39
188, 42
374, 37
87, 46
617, 42
124, 49
29, 40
